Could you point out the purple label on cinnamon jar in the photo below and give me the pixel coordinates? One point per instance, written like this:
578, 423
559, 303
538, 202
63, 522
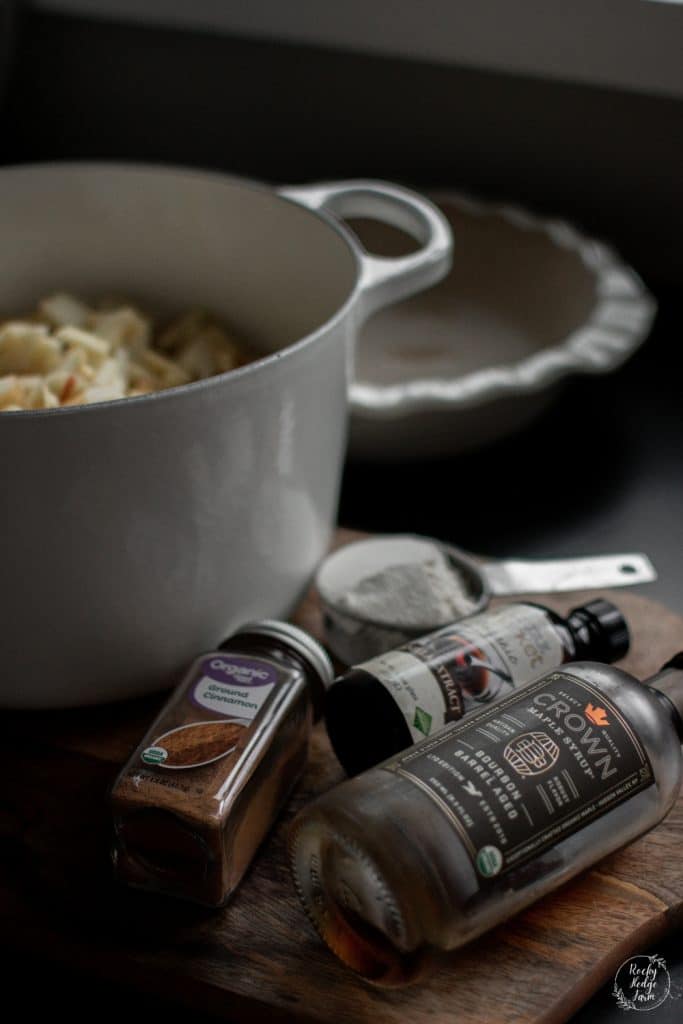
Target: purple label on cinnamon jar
233, 686
233, 668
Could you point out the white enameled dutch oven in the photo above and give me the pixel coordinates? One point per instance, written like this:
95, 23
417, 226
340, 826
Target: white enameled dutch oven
137, 533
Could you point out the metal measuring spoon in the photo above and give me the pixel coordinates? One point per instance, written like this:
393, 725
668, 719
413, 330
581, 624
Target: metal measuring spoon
354, 637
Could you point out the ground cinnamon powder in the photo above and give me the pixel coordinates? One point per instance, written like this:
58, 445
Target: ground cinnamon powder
199, 743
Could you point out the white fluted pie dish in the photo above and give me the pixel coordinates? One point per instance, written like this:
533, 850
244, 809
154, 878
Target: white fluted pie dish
528, 303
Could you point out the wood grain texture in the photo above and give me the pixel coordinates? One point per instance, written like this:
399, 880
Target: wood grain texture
259, 958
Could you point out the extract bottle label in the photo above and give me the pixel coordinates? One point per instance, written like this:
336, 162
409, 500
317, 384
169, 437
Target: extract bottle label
523, 775
442, 676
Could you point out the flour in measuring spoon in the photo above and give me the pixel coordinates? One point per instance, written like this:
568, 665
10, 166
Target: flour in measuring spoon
408, 595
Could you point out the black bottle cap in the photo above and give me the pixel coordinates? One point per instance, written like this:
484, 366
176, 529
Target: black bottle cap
599, 630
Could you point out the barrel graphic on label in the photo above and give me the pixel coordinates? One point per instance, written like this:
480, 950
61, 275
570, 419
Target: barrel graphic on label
190, 746
532, 753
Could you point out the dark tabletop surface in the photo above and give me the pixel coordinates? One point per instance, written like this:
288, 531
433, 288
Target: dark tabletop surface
600, 471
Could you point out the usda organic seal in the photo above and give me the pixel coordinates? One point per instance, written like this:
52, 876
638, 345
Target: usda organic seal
489, 861
154, 755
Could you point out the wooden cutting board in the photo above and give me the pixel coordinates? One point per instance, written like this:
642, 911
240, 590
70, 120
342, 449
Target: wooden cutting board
259, 959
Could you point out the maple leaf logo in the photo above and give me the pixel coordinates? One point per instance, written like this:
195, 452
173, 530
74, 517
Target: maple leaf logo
598, 716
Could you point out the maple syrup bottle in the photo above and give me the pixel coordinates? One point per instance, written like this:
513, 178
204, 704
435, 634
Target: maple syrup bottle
388, 703
454, 835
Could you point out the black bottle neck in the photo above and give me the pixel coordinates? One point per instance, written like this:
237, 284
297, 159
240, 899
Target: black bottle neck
667, 685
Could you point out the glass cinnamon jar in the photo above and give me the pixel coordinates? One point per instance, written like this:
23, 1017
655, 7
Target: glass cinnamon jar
204, 785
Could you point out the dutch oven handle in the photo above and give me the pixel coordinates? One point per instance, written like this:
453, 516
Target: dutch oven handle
384, 280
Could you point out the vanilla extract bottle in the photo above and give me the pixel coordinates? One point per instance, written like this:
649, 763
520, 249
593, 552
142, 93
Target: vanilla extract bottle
384, 705
454, 835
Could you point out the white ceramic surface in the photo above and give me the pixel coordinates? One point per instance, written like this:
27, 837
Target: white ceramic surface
138, 533
528, 303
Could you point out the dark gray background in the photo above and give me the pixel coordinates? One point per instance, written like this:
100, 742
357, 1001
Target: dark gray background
602, 470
